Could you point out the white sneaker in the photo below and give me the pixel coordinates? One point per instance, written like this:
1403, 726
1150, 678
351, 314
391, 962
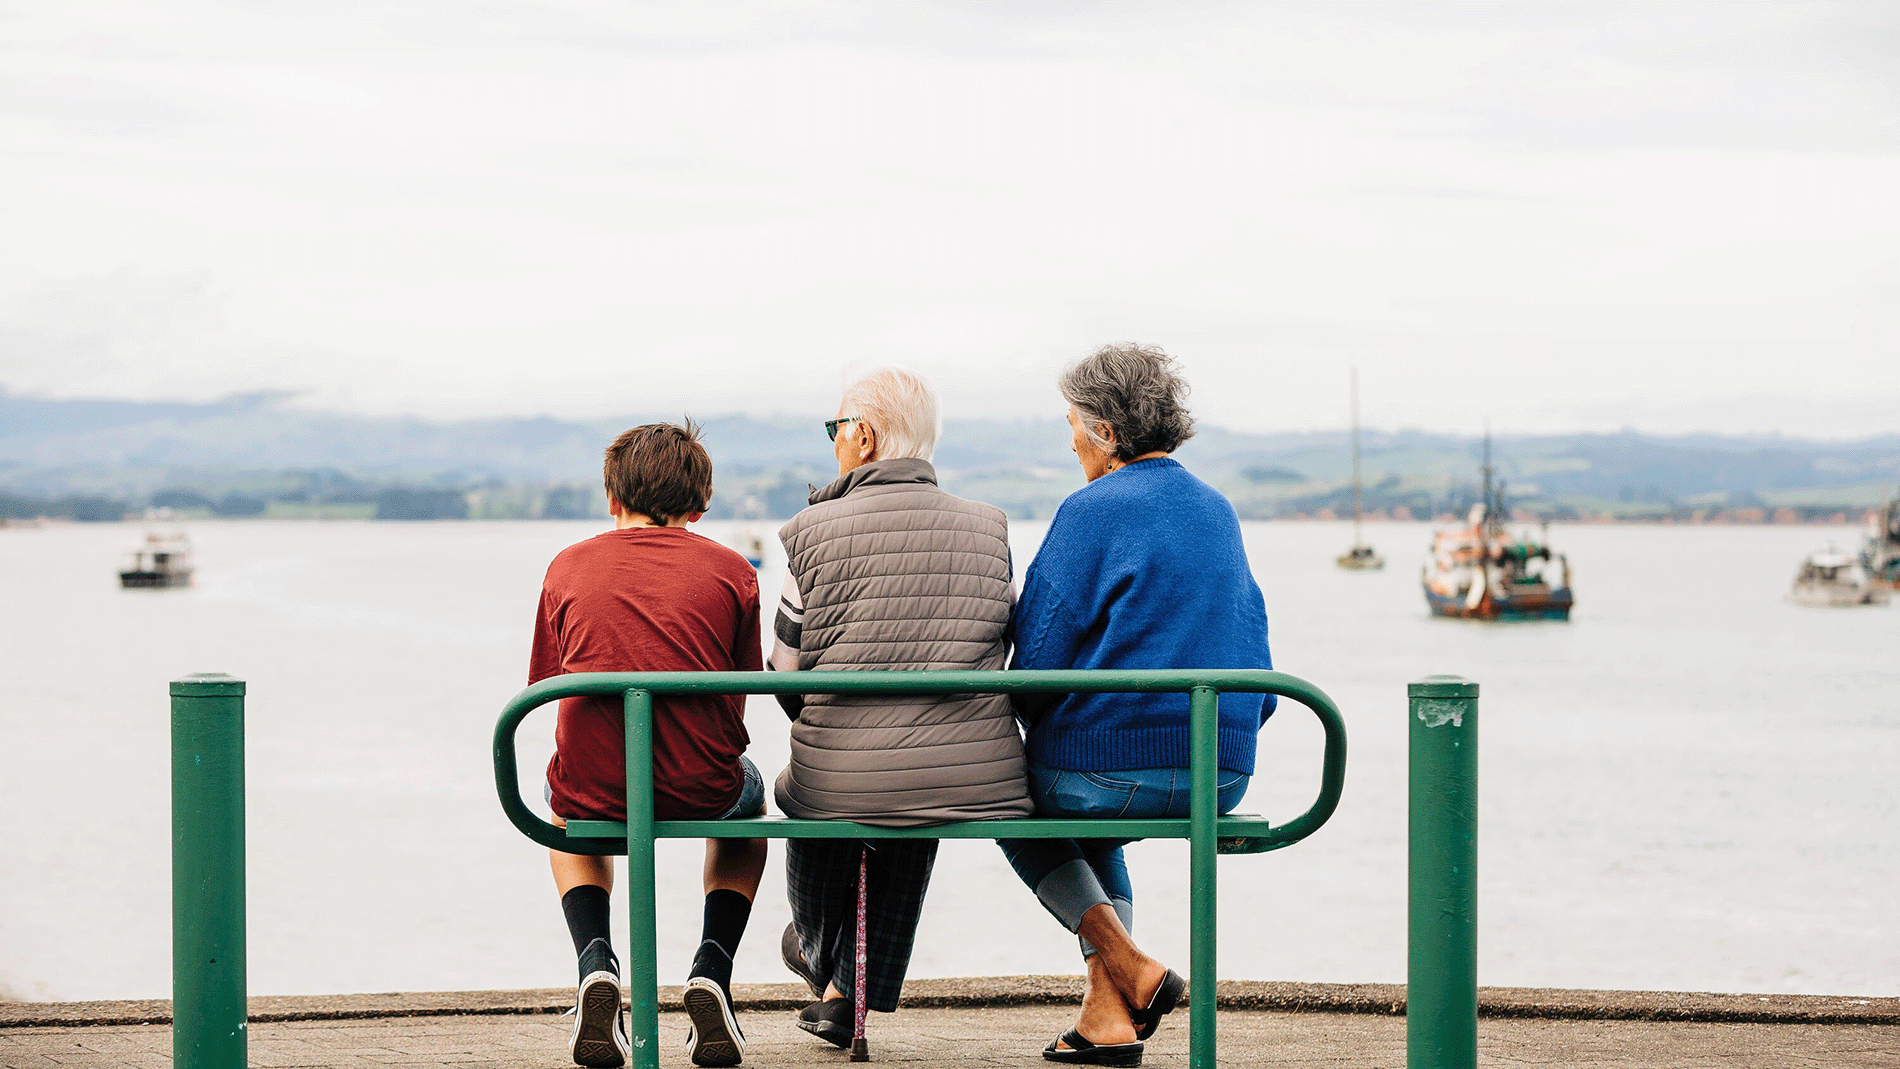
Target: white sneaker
712, 1035
600, 1031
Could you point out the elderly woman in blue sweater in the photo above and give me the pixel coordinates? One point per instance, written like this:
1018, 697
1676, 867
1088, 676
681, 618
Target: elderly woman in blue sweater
1142, 568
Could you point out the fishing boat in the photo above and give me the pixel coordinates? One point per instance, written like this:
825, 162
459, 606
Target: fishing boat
1361, 557
1829, 578
163, 560
751, 547
1880, 550
1482, 570
747, 536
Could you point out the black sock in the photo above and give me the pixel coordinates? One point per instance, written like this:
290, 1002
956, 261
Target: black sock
587, 910
726, 914
598, 957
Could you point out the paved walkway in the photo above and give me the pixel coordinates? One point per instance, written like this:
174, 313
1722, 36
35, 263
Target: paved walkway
1003, 1022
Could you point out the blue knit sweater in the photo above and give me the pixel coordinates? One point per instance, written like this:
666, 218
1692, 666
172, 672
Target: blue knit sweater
1142, 568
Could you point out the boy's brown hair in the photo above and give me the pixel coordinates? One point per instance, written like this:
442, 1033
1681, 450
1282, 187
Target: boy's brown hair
660, 471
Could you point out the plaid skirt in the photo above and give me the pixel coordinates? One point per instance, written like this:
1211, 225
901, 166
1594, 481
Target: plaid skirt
821, 878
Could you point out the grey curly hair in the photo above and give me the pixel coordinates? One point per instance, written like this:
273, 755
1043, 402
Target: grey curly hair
1137, 391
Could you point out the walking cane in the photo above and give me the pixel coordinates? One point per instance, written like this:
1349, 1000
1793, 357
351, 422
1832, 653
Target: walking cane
860, 1050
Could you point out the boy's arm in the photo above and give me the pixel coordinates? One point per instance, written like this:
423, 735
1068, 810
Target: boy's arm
544, 656
788, 629
745, 644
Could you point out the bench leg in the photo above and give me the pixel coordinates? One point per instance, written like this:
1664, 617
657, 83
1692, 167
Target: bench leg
860, 1050
1201, 877
642, 968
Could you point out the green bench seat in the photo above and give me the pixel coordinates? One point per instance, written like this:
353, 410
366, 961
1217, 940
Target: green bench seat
1239, 833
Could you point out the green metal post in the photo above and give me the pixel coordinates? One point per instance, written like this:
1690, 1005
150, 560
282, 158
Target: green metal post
642, 967
1203, 757
208, 1012
1441, 1002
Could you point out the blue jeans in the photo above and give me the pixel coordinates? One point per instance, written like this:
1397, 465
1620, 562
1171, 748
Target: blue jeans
1072, 876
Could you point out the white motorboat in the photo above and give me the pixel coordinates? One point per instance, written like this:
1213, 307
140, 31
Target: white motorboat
164, 560
1829, 578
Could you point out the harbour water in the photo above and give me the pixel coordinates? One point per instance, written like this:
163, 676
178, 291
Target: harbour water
1691, 785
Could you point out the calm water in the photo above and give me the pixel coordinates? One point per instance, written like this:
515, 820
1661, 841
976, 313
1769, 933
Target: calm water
1691, 785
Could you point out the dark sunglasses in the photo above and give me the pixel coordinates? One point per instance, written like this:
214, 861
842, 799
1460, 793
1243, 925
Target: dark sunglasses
831, 425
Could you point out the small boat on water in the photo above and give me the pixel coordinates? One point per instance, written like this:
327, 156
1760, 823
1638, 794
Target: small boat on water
752, 548
1880, 550
1361, 557
1481, 570
163, 560
747, 537
1829, 578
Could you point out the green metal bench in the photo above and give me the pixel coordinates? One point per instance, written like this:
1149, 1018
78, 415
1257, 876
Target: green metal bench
1207, 833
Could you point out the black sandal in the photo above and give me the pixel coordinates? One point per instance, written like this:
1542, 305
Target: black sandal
1082, 1052
1166, 998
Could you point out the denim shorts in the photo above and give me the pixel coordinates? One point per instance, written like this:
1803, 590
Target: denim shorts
1142, 792
751, 802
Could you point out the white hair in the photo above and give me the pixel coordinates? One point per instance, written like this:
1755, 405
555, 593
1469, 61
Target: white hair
901, 406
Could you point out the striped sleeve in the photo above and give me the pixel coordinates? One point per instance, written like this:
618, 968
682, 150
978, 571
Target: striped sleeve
787, 629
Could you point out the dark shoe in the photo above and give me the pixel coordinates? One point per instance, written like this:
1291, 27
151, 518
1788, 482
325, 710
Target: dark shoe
712, 1035
794, 958
711, 962
600, 1032
832, 1020
1082, 1052
1166, 998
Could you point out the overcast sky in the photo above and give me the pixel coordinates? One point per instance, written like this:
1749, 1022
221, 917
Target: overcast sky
1544, 216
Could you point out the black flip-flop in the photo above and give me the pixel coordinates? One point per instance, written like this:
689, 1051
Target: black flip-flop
1082, 1052
1166, 998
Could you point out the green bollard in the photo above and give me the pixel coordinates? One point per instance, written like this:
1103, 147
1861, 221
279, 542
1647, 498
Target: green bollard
643, 981
208, 1012
1441, 975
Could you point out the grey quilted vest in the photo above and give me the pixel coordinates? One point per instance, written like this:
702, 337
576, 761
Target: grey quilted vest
894, 573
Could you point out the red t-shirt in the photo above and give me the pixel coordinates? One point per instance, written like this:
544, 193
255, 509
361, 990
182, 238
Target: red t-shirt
647, 599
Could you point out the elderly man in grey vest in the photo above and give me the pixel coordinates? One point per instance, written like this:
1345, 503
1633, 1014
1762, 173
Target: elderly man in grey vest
886, 571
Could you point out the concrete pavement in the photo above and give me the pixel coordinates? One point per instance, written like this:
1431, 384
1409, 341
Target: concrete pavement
1000, 1021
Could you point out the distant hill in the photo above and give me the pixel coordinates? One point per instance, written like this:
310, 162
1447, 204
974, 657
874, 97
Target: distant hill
256, 448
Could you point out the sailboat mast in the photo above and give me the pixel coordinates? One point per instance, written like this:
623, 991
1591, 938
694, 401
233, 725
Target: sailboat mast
1490, 505
1356, 511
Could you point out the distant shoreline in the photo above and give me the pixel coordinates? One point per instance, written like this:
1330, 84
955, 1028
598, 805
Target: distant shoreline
1689, 518
98, 461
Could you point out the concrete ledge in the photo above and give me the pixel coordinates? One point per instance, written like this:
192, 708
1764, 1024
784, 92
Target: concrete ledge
987, 991
1576, 1005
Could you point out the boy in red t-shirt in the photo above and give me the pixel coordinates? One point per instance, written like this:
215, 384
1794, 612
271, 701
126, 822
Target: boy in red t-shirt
651, 596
